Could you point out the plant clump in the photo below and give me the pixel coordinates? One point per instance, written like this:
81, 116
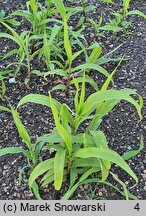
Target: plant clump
80, 157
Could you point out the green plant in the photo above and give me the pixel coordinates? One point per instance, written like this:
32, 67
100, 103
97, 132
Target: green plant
66, 70
32, 152
86, 21
54, 46
20, 40
24, 54
82, 156
85, 10
120, 23
42, 18
8, 20
93, 61
35, 13
78, 155
39, 16
42, 41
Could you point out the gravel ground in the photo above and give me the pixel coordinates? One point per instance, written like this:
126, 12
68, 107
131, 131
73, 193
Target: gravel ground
122, 126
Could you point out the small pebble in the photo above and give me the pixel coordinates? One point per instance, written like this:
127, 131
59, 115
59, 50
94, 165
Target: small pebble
79, 195
111, 46
129, 147
6, 167
144, 177
121, 78
139, 34
12, 80
100, 193
85, 187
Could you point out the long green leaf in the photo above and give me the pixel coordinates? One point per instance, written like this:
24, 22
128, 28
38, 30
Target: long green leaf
40, 169
105, 154
54, 33
67, 44
50, 138
38, 99
3, 88
12, 52
48, 174
109, 79
61, 8
73, 174
48, 180
101, 142
104, 107
8, 36
82, 96
21, 129
61, 130
91, 103
14, 150
91, 66
28, 15
88, 79
126, 5
35, 189
94, 55
136, 12
110, 28
5, 109
59, 161
89, 162
66, 118
132, 153
16, 37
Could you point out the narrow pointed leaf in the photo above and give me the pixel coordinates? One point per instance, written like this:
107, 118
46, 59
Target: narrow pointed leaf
105, 154
40, 169
92, 101
133, 153
94, 55
14, 150
91, 66
137, 12
5, 109
59, 162
21, 129
61, 130
38, 99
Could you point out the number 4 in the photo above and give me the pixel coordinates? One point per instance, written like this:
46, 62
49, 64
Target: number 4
136, 207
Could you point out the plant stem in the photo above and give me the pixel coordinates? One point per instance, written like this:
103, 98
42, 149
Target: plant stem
67, 87
68, 81
32, 50
84, 12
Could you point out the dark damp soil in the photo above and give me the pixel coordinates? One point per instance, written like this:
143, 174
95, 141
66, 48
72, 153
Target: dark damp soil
121, 126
